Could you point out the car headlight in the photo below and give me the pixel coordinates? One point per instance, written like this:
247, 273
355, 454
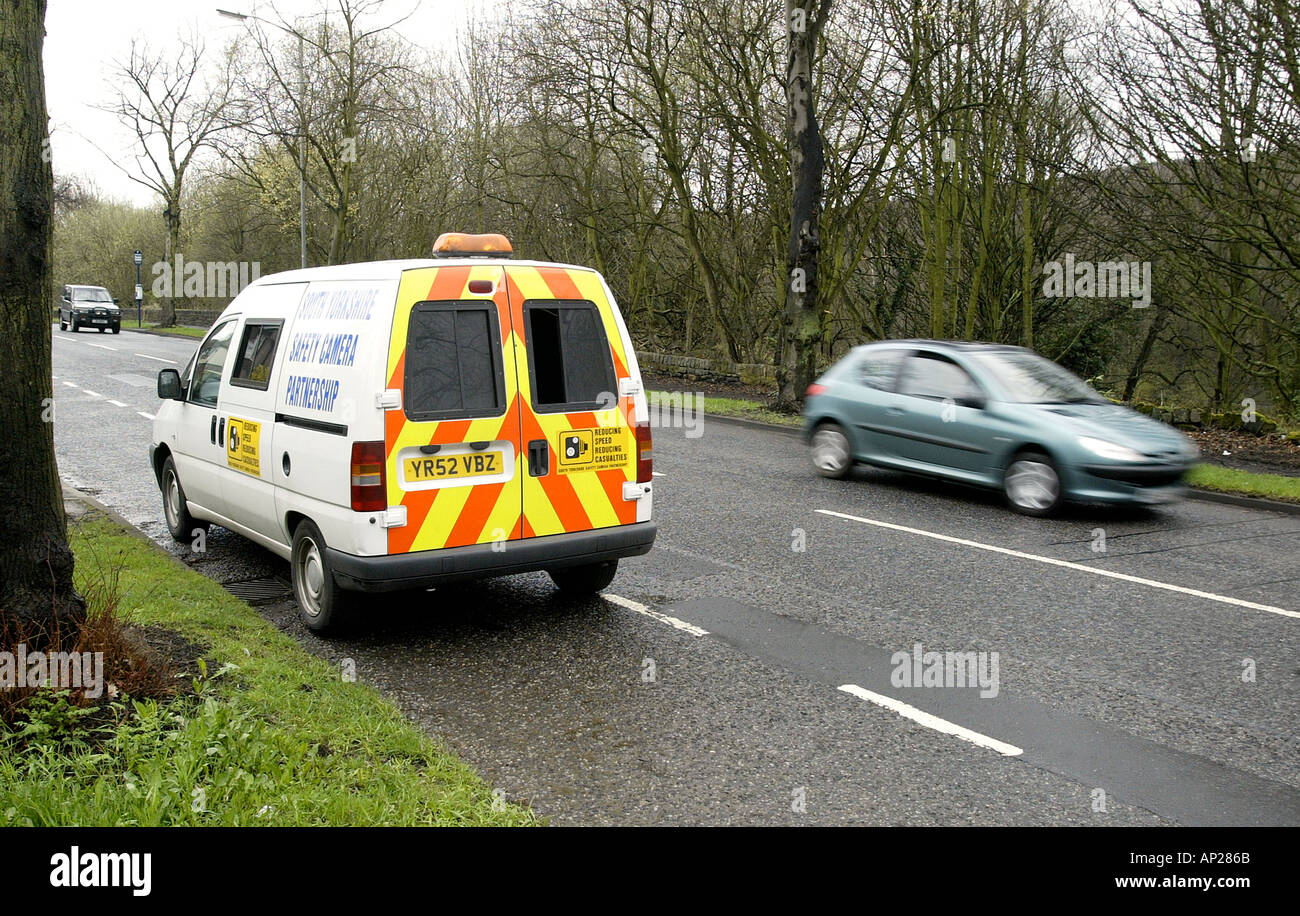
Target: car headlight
1110, 449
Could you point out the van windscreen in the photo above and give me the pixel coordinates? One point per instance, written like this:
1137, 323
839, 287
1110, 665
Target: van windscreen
568, 355
453, 362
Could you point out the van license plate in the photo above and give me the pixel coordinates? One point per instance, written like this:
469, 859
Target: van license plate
472, 464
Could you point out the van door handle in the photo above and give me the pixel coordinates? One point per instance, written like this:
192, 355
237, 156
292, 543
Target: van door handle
539, 458
221, 433
212, 430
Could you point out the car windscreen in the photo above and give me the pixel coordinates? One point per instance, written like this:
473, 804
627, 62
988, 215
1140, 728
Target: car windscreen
1027, 378
90, 294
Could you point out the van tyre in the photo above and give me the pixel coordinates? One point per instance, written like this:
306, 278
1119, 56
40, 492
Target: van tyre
832, 453
584, 580
180, 524
323, 606
1032, 484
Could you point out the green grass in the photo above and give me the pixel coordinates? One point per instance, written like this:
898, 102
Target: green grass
739, 407
177, 331
1245, 483
274, 736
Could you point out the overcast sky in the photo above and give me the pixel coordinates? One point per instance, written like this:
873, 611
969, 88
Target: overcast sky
85, 37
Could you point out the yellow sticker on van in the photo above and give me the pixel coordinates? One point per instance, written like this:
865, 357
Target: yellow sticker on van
591, 449
243, 444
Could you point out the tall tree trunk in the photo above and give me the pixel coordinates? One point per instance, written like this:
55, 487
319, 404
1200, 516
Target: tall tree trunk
36, 594
172, 217
801, 326
1148, 343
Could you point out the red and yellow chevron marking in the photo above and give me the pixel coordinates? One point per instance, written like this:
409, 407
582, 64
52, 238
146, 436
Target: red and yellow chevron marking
452, 516
579, 501
527, 506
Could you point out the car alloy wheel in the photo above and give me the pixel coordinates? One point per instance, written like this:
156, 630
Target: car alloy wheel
1032, 484
831, 454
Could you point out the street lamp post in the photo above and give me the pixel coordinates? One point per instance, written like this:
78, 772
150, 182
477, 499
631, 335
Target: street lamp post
138, 257
302, 125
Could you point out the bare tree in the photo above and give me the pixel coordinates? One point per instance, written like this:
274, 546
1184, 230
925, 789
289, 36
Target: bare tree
175, 113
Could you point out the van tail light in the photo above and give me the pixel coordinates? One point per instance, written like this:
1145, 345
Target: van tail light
814, 389
369, 489
644, 453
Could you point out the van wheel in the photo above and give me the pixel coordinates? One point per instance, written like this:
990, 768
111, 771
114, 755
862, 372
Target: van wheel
1032, 484
180, 524
832, 455
584, 580
323, 606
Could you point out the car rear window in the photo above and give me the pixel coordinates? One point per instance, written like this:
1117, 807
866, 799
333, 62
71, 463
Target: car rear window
877, 369
569, 360
453, 362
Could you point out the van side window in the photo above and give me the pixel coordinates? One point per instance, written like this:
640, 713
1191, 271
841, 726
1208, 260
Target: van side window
208, 364
453, 362
568, 355
256, 355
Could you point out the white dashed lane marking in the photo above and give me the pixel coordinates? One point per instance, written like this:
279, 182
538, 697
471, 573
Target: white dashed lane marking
116, 403
158, 358
921, 717
147, 416
93, 394
102, 347
1066, 564
640, 608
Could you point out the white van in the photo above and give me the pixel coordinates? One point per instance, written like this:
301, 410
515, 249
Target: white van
399, 424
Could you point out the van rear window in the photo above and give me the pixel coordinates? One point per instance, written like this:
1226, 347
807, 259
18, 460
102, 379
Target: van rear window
568, 355
453, 362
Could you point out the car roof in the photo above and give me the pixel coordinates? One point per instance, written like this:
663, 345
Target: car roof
85, 286
959, 346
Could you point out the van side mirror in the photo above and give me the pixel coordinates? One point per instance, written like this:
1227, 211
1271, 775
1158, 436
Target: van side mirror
169, 385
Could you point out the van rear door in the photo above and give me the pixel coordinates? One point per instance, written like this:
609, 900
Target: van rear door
574, 401
452, 449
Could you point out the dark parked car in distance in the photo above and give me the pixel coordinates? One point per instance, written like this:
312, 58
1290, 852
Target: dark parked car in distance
994, 416
89, 307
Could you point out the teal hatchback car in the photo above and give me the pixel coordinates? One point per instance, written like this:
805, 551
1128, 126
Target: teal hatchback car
991, 415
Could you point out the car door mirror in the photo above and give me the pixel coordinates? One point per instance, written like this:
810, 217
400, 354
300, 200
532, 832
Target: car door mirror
116, 300
169, 385
975, 400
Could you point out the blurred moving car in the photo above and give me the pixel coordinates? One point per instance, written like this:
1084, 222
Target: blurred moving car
89, 307
991, 415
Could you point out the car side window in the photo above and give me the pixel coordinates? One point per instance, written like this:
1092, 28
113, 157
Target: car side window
928, 375
878, 369
209, 363
256, 355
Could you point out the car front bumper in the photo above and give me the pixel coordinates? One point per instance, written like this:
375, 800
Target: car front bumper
425, 568
1145, 484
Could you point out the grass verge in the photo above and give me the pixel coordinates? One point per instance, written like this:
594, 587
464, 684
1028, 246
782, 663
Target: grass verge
739, 407
1204, 476
176, 331
1245, 483
270, 735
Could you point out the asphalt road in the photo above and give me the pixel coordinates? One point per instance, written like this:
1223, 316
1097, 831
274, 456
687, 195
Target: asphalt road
744, 671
